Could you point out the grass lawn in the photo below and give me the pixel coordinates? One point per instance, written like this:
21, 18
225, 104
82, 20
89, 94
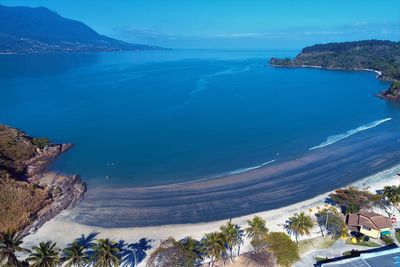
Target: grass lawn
315, 243
368, 243
398, 236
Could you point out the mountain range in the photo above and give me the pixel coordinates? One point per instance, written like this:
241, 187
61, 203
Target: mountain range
36, 30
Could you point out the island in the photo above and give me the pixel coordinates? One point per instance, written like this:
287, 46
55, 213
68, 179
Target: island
383, 57
30, 194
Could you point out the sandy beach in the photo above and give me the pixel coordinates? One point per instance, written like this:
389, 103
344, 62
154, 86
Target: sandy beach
279, 184
63, 230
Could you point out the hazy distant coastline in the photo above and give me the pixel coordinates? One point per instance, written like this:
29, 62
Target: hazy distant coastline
26, 30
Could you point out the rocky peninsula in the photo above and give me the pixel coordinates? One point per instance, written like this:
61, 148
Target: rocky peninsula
29, 194
379, 56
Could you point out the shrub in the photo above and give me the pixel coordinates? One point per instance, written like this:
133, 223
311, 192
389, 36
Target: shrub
20, 201
40, 142
284, 249
388, 240
171, 253
331, 221
352, 200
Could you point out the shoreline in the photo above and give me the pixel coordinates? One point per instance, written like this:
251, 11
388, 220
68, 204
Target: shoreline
188, 184
63, 229
379, 75
378, 72
269, 187
62, 191
65, 190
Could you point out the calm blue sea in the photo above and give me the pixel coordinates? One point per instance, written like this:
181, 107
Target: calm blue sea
159, 117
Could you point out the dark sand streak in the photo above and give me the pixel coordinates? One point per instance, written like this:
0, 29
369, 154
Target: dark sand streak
273, 186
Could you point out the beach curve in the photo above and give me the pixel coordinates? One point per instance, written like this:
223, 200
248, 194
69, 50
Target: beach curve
269, 187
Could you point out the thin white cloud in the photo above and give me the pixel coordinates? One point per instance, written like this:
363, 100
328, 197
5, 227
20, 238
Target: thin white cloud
369, 30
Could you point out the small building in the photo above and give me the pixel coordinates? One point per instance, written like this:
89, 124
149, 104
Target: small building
369, 223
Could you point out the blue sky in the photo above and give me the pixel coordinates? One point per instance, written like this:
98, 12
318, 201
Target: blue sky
233, 24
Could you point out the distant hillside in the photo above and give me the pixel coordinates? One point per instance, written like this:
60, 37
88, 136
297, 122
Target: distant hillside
383, 56
30, 30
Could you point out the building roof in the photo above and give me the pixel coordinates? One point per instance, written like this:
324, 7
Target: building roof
387, 258
369, 219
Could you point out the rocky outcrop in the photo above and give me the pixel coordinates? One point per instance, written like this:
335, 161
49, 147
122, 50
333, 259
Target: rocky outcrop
43, 158
393, 93
66, 192
26, 159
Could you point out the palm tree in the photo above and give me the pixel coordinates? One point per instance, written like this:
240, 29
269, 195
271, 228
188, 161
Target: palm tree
44, 255
300, 224
134, 253
256, 231
105, 254
194, 250
74, 255
392, 193
10, 242
214, 246
233, 236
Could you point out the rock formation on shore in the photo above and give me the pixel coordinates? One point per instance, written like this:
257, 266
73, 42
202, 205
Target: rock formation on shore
23, 164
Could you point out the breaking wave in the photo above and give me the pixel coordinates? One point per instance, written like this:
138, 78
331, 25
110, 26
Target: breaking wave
335, 138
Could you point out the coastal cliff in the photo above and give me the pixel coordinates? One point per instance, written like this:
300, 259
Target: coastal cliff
29, 195
383, 57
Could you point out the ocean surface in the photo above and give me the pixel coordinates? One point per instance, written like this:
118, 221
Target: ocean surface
152, 118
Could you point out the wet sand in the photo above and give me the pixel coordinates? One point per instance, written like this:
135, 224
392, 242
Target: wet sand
285, 182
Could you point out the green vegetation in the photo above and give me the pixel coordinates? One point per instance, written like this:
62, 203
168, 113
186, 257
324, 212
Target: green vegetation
19, 203
331, 221
172, 253
10, 243
214, 246
233, 237
397, 234
320, 258
383, 56
387, 239
74, 255
394, 88
392, 194
44, 255
372, 54
315, 243
299, 224
40, 142
105, 253
256, 231
83, 251
220, 246
193, 250
355, 253
352, 200
15, 148
284, 249
362, 242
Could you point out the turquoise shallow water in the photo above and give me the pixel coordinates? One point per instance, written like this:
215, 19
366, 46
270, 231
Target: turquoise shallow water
159, 117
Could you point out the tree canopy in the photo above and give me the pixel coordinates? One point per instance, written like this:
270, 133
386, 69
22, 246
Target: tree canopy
284, 249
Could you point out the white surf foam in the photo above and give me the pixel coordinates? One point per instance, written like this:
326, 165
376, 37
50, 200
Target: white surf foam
237, 171
335, 138
241, 170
